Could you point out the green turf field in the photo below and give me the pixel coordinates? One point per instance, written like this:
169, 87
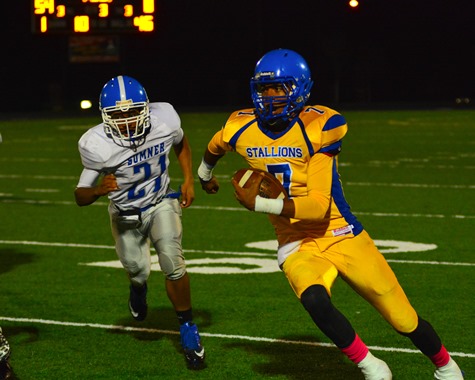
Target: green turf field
408, 175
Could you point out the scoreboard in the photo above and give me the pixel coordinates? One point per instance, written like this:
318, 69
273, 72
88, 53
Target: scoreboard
76, 17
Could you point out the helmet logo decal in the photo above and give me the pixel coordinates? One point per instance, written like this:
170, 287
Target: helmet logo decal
269, 74
123, 103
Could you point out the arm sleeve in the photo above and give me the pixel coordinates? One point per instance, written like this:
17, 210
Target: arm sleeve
94, 153
167, 114
317, 202
88, 178
217, 145
179, 136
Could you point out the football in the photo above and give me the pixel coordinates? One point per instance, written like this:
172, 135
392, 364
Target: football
270, 187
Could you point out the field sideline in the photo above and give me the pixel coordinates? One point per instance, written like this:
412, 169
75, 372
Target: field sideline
408, 175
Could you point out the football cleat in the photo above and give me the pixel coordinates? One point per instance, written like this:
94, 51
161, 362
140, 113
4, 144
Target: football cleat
138, 302
374, 368
450, 371
5, 369
192, 348
4, 347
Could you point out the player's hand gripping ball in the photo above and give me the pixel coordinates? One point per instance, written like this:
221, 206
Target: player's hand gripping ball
270, 187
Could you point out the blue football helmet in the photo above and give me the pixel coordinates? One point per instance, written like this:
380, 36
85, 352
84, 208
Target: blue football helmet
286, 70
124, 106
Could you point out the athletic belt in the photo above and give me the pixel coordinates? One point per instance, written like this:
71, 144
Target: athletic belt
174, 195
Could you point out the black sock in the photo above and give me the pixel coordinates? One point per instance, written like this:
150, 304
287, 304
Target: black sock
333, 324
425, 338
184, 316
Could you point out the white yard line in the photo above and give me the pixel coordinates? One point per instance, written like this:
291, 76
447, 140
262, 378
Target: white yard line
210, 335
212, 252
240, 209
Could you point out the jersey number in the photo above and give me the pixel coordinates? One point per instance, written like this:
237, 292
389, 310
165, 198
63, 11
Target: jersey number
147, 171
283, 173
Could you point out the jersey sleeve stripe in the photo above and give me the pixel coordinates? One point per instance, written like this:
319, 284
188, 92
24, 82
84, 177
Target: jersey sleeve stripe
332, 149
341, 203
233, 140
334, 122
307, 140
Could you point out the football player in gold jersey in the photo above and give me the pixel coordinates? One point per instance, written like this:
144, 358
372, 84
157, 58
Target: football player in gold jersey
319, 237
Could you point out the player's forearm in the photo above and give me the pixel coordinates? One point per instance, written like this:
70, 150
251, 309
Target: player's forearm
208, 181
86, 195
184, 156
310, 208
210, 158
315, 203
208, 162
298, 208
288, 209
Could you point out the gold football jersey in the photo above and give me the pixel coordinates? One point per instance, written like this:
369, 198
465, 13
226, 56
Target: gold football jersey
304, 158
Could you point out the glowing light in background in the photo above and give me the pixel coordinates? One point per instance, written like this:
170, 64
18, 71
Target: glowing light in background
86, 104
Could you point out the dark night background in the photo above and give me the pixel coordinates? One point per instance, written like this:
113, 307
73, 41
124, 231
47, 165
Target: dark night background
406, 53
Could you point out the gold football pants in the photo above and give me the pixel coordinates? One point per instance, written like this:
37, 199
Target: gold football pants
358, 262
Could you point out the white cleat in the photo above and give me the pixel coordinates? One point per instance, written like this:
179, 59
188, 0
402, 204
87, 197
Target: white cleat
374, 368
450, 371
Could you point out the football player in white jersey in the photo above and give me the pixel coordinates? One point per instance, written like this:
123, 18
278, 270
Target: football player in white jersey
126, 158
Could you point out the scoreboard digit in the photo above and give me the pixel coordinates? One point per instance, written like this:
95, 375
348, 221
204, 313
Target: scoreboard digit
93, 16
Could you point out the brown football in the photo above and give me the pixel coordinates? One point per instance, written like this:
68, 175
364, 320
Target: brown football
270, 187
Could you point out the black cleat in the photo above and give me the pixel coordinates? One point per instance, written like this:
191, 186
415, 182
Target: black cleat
138, 302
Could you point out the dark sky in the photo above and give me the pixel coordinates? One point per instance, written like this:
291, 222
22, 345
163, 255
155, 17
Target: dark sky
204, 52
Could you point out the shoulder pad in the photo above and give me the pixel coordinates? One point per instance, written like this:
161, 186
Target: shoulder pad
94, 152
166, 113
236, 121
324, 126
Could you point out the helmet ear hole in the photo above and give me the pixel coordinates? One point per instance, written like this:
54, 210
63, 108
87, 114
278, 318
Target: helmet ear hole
285, 68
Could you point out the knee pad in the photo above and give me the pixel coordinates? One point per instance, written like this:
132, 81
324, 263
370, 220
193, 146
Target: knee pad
137, 272
315, 299
173, 266
333, 324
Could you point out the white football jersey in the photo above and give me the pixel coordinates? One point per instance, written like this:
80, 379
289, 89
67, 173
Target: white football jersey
142, 175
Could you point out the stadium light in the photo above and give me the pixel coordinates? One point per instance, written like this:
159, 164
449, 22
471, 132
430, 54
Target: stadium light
86, 104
